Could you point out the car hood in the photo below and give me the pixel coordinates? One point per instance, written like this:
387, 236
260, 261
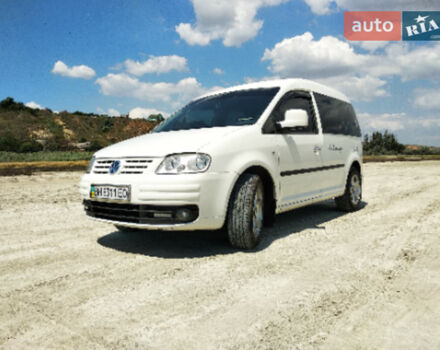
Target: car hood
164, 143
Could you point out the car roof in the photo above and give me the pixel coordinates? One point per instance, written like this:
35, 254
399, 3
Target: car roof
284, 85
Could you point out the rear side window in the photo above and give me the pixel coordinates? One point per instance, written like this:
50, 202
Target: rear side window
337, 117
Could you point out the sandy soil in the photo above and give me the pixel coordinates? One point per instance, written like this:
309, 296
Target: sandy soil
321, 278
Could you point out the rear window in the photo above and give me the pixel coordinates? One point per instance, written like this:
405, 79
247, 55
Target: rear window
337, 117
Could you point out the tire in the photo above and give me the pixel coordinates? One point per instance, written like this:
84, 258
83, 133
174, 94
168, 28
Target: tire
245, 212
125, 229
352, 197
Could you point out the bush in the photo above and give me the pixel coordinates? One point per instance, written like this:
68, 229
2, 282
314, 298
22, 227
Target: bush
9, 143
108, 124
52, 145
30, 146
94, 146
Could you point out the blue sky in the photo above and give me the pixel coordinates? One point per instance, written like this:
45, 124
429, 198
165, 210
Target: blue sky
140, 57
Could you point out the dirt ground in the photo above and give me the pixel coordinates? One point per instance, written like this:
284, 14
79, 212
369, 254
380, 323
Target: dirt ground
321, 279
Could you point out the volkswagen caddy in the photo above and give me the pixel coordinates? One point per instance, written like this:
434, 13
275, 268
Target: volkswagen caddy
232, 159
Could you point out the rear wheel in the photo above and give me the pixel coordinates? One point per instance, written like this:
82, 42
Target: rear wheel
352, 197
245, 213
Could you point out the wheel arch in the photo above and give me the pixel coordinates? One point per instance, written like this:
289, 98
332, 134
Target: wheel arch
269, 192
356, 164
353, 160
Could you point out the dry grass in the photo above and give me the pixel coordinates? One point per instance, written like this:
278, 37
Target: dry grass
28, 168
44, 156
400, 158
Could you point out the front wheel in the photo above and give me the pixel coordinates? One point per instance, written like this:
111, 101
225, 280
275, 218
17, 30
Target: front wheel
245, 213
352, 197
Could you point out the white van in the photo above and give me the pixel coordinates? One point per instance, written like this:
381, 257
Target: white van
232, 158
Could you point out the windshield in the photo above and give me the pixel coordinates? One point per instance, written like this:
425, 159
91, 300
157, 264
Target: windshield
230, 109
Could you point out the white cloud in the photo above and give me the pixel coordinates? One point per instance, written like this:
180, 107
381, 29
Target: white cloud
303, 56
322, 7
82, 71
410, 129
113, 112
319, 7
361, 76
33, 105
421, 62
363, 88
328, 60
156, 64
385, 121
249, 80
370, 45
427, 99
231, 20
389, 5
218, 71
139, 113
110, 112
428, 122
194, 36
122, 85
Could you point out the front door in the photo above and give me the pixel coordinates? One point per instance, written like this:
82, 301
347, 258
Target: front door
299, 151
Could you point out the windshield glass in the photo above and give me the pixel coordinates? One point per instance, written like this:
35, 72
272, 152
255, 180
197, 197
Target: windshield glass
230, 109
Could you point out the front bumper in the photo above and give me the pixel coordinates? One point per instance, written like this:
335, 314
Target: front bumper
208, 192
141, 213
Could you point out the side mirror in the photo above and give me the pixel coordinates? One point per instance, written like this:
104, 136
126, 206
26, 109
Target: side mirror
294, 118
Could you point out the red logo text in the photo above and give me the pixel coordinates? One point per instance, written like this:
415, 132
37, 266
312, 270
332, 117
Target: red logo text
373, 25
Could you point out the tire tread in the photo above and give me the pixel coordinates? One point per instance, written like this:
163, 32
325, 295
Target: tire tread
239, 225
343, 202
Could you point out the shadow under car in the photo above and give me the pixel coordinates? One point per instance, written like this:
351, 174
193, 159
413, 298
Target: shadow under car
197, 244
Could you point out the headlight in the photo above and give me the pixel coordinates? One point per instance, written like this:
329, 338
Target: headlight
91, 163
186, 163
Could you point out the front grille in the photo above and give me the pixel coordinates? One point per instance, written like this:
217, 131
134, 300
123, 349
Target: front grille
128, 165
140, 214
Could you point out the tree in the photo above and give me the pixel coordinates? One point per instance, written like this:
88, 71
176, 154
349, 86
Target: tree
10, 104
7, 102
379, 143
156, 118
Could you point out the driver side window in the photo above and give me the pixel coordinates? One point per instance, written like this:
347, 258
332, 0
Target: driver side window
292, 100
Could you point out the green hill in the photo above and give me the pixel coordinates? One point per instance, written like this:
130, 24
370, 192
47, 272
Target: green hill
23, 129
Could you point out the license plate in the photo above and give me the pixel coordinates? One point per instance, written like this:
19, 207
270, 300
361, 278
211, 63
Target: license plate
110, 192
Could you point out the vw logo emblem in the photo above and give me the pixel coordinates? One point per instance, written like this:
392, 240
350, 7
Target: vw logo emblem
114, 167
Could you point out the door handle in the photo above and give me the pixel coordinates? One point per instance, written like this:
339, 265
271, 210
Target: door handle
316, 149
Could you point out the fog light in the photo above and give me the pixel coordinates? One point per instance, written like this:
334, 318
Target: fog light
183, 214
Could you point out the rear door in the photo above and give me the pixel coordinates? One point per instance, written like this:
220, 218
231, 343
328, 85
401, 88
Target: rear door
341, 134
298, 150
